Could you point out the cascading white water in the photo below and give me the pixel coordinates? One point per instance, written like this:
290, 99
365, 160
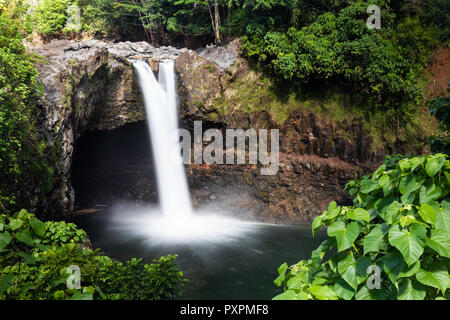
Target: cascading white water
160, 101
177, 224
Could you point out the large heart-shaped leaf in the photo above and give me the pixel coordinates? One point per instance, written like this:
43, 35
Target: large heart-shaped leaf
410, 290
316, 225
368, 186
434, 165
38, 226
345, 235
429, 193
410, 242
443, 216
5, 282
409, 184
436, 277
354, 271
25, 237
439, 241
372, 242
395, 267
5, 239
323, 292
365, 294
359, 214
15, 224
343, 290
427, 213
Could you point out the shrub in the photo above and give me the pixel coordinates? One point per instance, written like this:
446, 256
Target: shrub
400, 222
51, 16
25, 158
440, 109
34, 257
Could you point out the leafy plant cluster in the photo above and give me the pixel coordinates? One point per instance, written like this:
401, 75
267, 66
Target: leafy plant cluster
440, 109
164, 21
338, 47
26, 160
34, 257
400, 223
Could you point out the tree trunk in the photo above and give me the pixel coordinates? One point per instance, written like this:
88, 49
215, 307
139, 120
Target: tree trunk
217, 22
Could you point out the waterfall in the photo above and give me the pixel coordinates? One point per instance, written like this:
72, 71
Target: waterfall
161, 108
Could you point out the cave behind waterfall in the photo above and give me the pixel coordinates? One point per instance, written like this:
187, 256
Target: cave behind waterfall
113, 165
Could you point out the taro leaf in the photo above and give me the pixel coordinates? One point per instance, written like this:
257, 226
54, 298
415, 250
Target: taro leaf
333, 210
28, 258
5, 282
416, 161
383, 204
372, 242
430, 193
392, 211
439, 241
343, 290
410, 242
295, 283
38, 226
434, 165
345, 235
387, 188
368, 186
411, 290
281, 274
436, 277
409, 184
443, 216
359, 214
393, 265
15, 224
409, 271
291, 295
365, 294
318, 254
404, 165
316, 225
408, 198
25, 237
427, 213
354, 271
383, 180
323, 292
5, 239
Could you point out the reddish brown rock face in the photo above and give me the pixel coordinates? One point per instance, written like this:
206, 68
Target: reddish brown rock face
300, 191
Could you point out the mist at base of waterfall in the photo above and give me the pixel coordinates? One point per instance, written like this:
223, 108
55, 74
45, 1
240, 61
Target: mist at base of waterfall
149, 224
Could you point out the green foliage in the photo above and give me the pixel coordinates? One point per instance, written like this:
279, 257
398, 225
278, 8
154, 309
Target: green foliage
440, 108
341, 47
51, 16
400, 222
34, 257
24, 156
61, 233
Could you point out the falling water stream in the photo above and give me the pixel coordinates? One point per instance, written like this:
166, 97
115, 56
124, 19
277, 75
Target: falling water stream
161, 110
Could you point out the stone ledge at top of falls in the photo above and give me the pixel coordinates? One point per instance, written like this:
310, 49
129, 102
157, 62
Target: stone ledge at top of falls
70, 65
91, 84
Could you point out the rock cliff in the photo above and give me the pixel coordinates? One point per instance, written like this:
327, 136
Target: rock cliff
90, 85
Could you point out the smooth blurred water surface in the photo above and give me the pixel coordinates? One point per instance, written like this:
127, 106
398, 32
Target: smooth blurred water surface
242, 266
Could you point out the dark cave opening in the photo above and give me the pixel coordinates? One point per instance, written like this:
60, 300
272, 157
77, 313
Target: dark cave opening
114, 165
